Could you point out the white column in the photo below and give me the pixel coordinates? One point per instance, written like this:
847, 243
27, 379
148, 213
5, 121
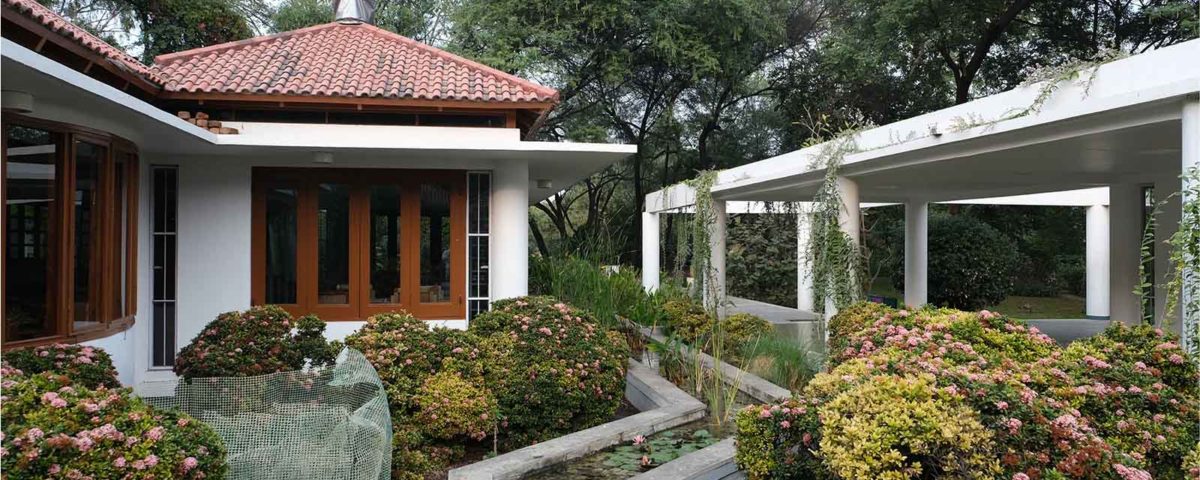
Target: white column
1190, 152
916, 253
714, 294
1124, 240
1097, 257
510, 230
804, 285
650, 251
850, 221
850, 217
1170, 211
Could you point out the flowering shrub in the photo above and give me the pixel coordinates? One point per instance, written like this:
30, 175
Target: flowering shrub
88, 367
53, 429
532, 369
851, 319
450, 407
564, 371
257, 341
894, 427
1115, 406
1191, 463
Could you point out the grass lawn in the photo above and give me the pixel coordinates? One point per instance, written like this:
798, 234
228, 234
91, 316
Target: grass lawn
1062, 306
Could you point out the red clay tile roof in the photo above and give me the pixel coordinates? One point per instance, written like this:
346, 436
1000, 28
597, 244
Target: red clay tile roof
342, 60
55, 23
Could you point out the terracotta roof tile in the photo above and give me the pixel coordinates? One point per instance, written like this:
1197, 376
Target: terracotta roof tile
39, 13
342, 60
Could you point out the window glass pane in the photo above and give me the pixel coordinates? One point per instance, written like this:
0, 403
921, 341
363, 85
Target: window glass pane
478, 250
281, 246
385, 244
89, 159
435, 244
333, 244
29, 230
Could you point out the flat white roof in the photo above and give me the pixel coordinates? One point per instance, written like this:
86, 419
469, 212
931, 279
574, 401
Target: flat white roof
1125, 126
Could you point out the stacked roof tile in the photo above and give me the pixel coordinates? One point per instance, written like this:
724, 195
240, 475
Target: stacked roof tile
39, 13
342, 60
337, 59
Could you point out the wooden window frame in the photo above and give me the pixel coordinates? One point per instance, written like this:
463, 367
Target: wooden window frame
306, 181
105, 256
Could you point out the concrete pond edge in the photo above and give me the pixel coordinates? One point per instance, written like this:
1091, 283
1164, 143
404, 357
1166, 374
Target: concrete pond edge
662, 405
717, 461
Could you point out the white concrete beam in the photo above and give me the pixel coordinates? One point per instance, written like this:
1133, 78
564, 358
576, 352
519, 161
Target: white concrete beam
1097, 258
916, 253
650, 251
510, 231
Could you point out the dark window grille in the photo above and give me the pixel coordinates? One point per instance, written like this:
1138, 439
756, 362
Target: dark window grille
479, 197
164, 209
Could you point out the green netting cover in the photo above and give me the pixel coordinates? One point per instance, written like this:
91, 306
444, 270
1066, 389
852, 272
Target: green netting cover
327, 423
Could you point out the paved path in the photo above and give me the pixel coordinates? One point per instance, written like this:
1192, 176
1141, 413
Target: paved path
790, 321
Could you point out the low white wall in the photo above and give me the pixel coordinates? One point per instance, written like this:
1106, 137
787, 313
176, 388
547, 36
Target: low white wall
121, 347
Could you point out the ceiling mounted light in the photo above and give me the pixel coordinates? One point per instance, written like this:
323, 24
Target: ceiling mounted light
16, 101
324, 158
544, 183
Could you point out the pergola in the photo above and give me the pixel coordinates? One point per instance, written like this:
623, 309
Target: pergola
1131, 126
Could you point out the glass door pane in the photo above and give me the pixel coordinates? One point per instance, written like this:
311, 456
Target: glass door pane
333, 244
89, 159
281, 204
385, 255
30, 204
435, 244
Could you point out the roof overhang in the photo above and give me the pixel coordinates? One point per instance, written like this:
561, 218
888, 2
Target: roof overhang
1125, 127
66, 95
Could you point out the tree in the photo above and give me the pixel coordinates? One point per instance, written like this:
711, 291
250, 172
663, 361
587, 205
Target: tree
168, 26
423, 20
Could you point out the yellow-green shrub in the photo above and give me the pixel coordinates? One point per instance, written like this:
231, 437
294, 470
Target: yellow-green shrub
903, 427
741, 328
449, 406
688, 321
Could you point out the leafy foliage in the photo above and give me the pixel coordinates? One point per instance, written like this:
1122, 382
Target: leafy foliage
971, 264
531, 369
1122, 403
257, 341
54, 428
88, 367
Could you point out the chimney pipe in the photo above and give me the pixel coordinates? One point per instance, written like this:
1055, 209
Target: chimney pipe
354, 11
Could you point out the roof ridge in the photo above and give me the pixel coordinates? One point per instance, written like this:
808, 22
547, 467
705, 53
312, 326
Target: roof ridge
162, 60
553, 93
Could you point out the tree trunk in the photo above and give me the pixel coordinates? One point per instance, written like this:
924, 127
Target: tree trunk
538, 238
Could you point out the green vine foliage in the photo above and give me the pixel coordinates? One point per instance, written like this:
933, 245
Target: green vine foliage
836, 261
700, 230
1183, 285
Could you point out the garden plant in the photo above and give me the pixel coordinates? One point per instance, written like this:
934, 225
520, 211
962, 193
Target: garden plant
941, 393
530, 370
66, 417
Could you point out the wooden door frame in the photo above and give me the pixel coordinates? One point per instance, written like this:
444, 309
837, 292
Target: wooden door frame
305, 181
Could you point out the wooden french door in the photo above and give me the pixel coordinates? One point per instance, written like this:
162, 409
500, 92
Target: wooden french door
345, 244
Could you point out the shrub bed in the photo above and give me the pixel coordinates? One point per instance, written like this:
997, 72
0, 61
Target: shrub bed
54, 428
945, 393
694, 325
88, 367
531, 369
257, 341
